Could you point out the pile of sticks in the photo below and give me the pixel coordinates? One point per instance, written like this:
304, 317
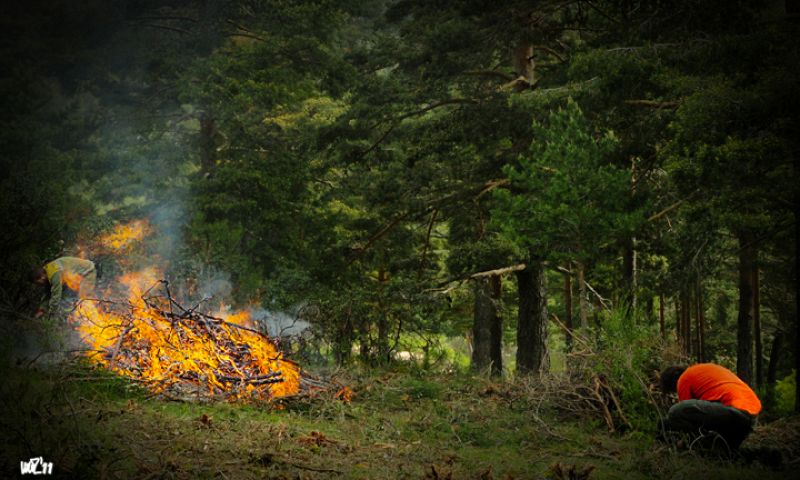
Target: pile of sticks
184, 354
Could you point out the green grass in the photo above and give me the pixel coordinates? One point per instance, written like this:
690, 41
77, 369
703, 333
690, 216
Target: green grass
400, 424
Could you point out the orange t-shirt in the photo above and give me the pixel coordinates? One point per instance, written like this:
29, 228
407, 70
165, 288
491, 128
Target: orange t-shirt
715, 383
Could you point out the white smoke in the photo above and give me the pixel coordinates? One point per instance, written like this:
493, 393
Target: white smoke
279, 324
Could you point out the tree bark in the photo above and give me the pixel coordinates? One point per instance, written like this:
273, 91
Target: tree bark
678, 321
796, 269
690, 345
686, 338
532, 321
629, 275
524, 67
383, 321
483, 317
629, 258
583, 304
701, 323
363, 339
744, 325
496, 342
344, 339
568, 309
772, 369
757, 327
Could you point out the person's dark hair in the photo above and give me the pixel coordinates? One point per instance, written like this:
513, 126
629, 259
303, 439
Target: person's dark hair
36, 275
669, 378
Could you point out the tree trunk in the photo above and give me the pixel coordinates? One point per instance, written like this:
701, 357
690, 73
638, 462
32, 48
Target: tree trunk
757, 327
796, 296
690, 341
483, 318
207, 143
701, 324
363, 339
496, 342
772, 369
744, 328
583, 304
344, 339
796, 175
532, 322
524, 67
629, 275
383, 321
596, 308
568, 309
678, 321
686, 333
661, 319
629, 258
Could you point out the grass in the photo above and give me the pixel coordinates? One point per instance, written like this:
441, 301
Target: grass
400, 424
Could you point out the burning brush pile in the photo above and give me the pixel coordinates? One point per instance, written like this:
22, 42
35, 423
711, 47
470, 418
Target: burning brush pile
176, 351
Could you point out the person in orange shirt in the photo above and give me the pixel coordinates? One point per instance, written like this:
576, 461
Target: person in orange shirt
711, 399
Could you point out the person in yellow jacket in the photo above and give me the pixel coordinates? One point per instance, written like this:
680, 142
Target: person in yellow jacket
76, 273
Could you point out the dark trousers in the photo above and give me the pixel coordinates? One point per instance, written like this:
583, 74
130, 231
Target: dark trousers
702, 420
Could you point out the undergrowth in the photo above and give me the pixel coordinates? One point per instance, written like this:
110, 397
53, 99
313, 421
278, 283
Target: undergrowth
401, 423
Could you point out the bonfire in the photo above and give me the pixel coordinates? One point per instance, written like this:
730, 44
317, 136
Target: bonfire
177, 351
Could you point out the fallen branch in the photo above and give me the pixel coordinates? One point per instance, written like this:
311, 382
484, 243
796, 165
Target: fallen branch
315, 469
115, 351
601, 401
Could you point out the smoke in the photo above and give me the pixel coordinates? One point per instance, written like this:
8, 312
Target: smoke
214, 286
169, 219
279, 324
143, 166
47, 341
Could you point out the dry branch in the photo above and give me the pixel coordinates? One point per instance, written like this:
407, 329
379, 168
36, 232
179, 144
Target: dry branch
499, 271
228, 368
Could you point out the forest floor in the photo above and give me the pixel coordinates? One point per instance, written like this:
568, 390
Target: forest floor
399, 424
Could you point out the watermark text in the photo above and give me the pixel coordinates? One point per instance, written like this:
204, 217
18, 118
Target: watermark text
36, 466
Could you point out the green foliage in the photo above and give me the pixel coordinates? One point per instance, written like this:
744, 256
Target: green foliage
424, 387
360, 157
566, 200
785, 392
630, 354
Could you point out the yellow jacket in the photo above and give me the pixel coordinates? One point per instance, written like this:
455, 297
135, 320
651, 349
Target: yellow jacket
78, 275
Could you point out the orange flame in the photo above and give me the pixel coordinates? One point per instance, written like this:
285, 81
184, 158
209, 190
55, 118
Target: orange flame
124, 236
171, 352
72, 280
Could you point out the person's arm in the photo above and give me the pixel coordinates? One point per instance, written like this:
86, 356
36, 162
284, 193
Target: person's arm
55, 293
